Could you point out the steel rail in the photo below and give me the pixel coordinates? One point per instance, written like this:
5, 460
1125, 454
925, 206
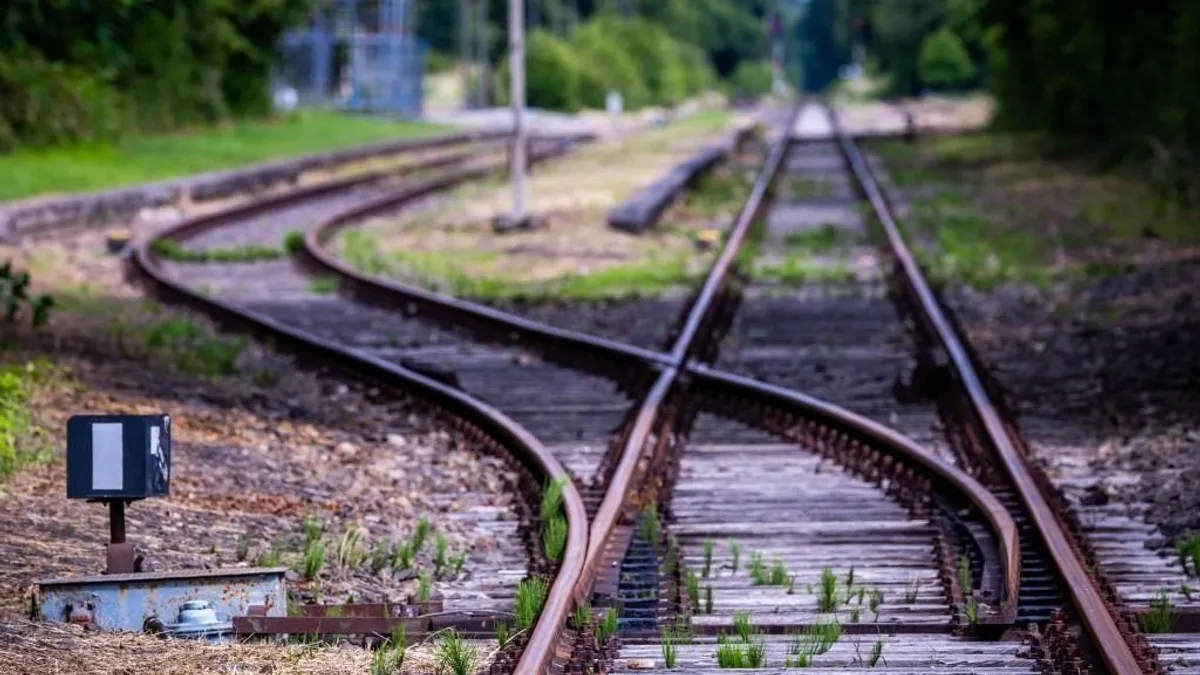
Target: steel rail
1087, 598
389, 294
621, 483
898, 445
144, 267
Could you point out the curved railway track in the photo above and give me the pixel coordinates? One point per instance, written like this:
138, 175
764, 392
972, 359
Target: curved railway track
714, 457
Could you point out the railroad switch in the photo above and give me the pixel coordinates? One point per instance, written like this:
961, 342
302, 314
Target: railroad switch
117, 460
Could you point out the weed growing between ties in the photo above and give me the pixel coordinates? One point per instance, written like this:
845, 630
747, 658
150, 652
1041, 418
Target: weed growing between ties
1160, 618
812, 641
454, 656
554, 522
651, 528
966, 583
531, 595
669, 649
424, 587
911, 591
389, 658
750, 650
608, 625
1188, 549
581, 616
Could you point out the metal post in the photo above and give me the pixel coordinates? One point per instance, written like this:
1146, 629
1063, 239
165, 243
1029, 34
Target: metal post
481, 44
120, 556
464, 49
516, 61
116, 521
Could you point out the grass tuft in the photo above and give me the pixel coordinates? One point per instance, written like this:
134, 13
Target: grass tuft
554, 538
424, 587
827, 597
552, 498
531, 595
454, 656
1160, 618
193, 348
669, 649
651, 528
314, 559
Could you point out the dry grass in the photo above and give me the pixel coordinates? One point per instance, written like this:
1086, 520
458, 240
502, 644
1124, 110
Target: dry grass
28, 649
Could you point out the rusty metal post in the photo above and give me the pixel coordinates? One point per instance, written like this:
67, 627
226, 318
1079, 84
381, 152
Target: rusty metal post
120, 559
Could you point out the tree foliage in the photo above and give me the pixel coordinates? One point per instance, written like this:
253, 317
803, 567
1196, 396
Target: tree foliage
944, 62
106, 66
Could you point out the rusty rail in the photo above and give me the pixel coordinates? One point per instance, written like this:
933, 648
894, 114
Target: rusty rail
585, 549
1087, 598
552, 340
948, 477
144, 267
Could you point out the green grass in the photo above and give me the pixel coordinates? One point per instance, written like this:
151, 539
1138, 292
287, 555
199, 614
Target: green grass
825, 239
250, 253
314, 559
449, 272
531, 595
146, 158
454, 655
554, 538
1161, 616
21, 443
192, 347
323, 285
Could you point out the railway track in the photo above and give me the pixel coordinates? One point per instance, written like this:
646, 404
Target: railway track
692, 482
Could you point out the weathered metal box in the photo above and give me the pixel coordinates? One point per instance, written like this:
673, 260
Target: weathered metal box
118, 456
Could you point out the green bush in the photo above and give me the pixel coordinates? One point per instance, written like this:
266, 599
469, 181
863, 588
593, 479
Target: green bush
43, 103
751, 80
101, 67
438, 62
607, 66
699, 73
657, 57
552, 74
944, 62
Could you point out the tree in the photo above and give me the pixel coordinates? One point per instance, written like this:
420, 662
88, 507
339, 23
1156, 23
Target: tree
821, 55
944, 62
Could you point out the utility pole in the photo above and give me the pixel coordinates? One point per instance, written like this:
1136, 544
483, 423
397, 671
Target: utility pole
519, 218
464, 49
481, 45
516, 64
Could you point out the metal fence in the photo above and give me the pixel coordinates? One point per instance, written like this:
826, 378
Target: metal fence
357, 55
